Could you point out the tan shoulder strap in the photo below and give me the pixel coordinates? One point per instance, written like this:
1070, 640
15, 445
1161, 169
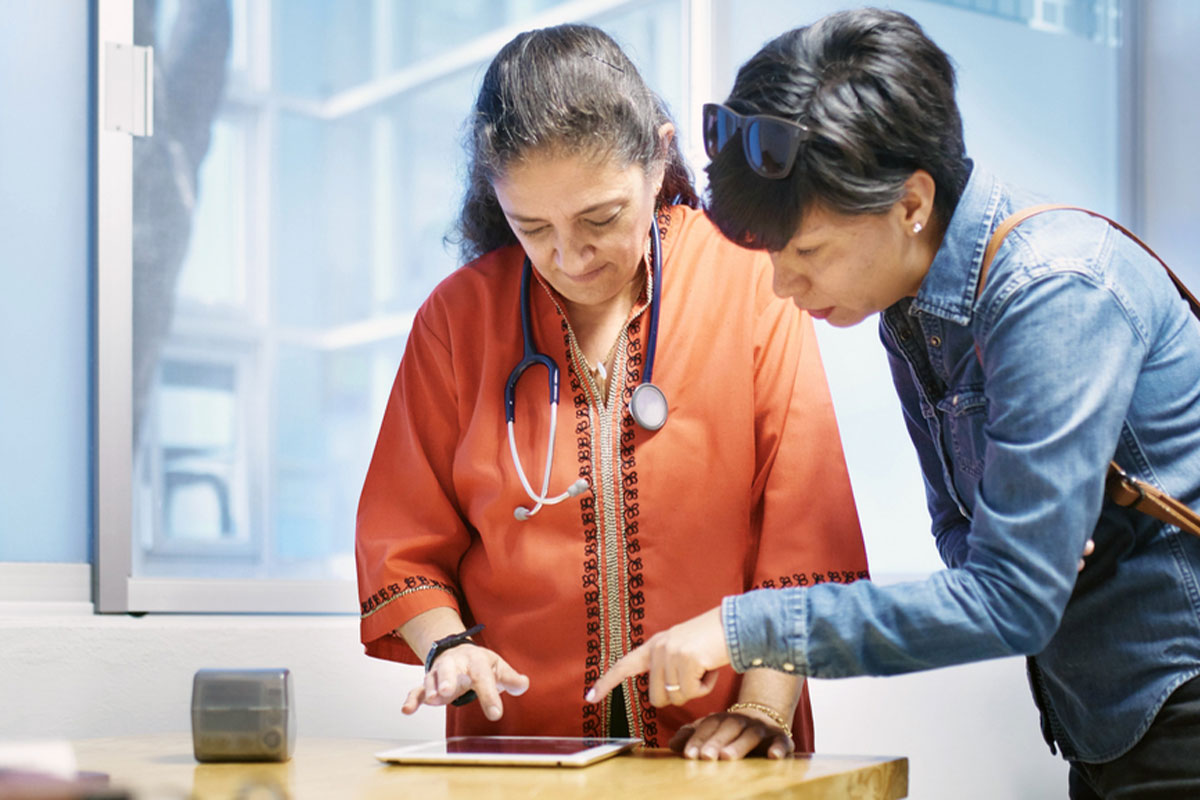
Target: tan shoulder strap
1018, 217
1126, 490
1122, 488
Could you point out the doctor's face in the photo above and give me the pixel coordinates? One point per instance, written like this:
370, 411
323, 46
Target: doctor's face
583, 221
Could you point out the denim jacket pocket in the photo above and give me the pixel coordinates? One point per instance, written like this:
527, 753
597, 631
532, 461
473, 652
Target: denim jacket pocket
965, 412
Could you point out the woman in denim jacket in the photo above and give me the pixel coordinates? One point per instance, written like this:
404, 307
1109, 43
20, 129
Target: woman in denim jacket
1076, 351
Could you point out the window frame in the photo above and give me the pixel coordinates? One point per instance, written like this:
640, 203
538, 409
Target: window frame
115, 588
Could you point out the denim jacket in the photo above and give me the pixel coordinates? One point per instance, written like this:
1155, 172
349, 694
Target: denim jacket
1086, 353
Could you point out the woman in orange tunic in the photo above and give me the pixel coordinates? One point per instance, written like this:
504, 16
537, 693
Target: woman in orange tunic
573, 159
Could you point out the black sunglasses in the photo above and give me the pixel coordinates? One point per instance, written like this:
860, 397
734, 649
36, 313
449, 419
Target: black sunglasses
769, 143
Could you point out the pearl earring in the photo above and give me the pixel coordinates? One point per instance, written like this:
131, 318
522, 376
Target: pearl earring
917, 226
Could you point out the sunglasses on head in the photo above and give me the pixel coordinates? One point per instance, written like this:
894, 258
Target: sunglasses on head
769, 143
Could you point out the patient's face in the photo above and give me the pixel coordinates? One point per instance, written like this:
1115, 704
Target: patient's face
845, 267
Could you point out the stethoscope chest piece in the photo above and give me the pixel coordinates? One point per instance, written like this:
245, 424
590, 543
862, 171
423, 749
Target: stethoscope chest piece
648, 406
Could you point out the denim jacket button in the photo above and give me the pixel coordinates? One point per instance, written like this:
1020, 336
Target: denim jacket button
789, 667
756, 662
936, 341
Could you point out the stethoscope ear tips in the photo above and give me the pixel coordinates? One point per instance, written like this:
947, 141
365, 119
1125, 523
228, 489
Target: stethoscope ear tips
577, 488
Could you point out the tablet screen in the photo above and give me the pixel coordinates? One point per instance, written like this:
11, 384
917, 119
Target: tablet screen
542, 745
511, 750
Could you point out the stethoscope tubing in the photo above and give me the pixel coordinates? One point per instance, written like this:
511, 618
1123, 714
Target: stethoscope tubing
530, 357
655, 302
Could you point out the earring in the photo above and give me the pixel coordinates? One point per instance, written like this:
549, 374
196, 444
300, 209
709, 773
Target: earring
917, 227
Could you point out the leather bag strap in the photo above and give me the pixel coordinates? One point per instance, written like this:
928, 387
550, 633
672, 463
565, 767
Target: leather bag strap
1126, 490
1121, 487
1018, 217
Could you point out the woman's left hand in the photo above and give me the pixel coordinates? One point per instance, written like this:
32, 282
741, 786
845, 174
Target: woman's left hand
681, 662
728, 736
1088, 549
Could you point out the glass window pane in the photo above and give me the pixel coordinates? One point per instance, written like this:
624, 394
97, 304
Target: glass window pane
290, 215
197, 433
428, 30
321, 48
214, 271
651, 34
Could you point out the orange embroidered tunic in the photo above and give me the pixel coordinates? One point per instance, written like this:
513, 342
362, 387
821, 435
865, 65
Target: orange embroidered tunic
745, 486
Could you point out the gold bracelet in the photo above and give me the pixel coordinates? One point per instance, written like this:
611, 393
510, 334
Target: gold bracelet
775, 716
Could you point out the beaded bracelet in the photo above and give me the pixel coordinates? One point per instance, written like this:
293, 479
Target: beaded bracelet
775, 716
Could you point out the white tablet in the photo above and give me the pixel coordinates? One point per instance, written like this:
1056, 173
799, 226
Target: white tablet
524, 751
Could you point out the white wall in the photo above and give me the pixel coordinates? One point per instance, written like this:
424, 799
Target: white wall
71, 674
65, 673
968, 732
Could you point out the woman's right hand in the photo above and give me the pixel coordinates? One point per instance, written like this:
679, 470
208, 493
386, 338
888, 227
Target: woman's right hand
466, 667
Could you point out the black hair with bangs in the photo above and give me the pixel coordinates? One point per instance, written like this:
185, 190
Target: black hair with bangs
878, 98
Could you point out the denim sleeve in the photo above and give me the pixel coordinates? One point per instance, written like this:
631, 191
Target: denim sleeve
949, 526
1061, 357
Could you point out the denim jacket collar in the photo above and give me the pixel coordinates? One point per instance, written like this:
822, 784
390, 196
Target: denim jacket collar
948, 290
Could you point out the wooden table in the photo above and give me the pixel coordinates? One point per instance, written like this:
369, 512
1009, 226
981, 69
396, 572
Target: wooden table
163, 766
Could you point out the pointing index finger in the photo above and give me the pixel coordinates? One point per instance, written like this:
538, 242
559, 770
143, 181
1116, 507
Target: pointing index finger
634, 663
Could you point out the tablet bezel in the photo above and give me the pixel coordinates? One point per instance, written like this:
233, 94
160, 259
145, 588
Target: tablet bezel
434, 752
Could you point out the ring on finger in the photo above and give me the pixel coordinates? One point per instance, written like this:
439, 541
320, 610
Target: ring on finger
671, 687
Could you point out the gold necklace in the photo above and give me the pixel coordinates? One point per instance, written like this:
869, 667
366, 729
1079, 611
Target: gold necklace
600, 369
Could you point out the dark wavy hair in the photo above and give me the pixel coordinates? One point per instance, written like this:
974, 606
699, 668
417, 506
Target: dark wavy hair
878, 98
568, 88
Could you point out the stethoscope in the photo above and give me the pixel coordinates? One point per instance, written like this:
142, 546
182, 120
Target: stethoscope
647, 404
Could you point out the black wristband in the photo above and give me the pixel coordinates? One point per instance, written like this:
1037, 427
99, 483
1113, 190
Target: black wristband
441, 646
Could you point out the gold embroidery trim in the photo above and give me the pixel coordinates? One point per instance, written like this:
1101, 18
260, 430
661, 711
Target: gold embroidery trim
609, 500
394, 597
